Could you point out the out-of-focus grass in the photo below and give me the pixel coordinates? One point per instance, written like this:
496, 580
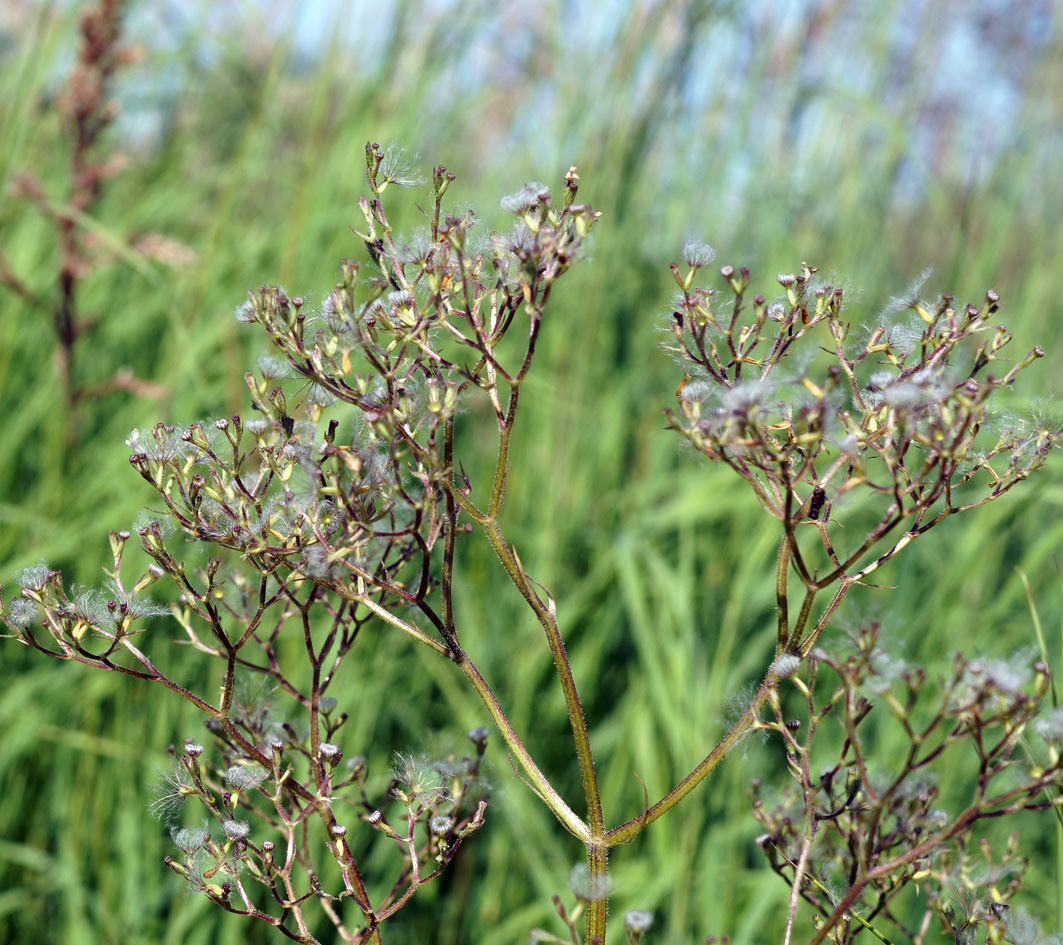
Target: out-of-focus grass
821, 137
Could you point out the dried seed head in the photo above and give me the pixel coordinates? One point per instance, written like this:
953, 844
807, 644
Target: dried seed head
236, 829
636, 921
272, 366
245, 312
22, 612
34, 577
697, 254
246, 777
525, 199
190, 839
786, 665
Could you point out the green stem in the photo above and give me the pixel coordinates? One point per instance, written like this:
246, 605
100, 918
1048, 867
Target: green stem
539, 782
408, 628
788, 640
628, 831
598, 870
595, 818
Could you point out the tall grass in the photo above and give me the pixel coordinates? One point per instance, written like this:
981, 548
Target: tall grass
822, 135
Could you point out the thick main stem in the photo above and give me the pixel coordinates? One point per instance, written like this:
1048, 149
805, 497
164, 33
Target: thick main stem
598, 891
543, 612
453, 650
593, 832
580, 736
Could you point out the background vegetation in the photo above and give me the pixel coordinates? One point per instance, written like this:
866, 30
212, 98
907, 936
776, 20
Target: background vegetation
870, 144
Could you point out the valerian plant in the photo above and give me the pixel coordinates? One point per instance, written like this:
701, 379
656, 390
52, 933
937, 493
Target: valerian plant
857, 834
337, 505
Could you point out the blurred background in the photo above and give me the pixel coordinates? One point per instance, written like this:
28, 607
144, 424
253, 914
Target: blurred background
872, 140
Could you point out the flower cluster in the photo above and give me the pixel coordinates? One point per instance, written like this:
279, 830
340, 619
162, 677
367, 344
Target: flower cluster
856, 834
322, 511
339, 499
892, 429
